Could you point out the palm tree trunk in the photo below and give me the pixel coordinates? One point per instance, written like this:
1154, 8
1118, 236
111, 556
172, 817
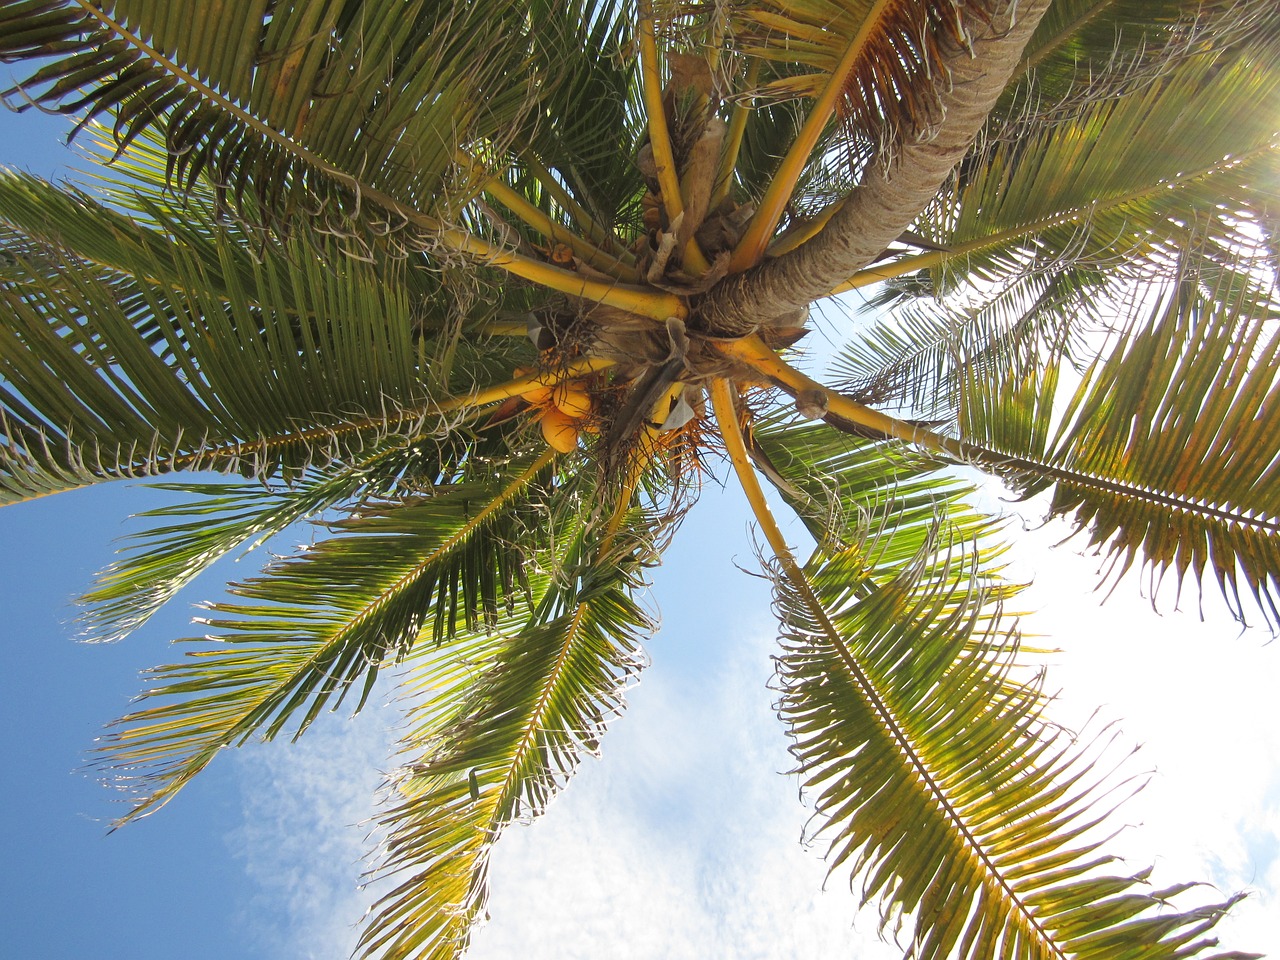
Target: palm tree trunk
894, 193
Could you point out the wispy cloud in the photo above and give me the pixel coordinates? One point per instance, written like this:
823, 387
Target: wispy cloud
305, 834
683, 842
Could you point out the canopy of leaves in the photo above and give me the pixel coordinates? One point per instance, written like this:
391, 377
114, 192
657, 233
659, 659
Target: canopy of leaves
485, 290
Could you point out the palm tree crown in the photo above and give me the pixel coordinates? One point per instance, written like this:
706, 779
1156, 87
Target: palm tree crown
488, 288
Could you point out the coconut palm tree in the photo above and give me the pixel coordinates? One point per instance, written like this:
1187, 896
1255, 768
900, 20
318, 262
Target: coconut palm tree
488, 289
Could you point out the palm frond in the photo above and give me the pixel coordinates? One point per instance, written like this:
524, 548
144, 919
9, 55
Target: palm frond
938, 781
320, 107
131, 350
916, 356
837, 484
1127, 44
501, 726
590, 122
315, 625
1117, 185
1167, 448
940, 786
223, 517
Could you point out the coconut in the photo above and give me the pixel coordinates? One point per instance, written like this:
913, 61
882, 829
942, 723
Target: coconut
559, 430
572, 398
535, 394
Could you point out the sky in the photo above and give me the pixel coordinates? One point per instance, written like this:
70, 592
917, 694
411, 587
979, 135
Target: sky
684, 840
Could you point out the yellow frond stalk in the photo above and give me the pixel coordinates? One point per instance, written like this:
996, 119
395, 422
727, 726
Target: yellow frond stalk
659, 135
654, 304
806, 231
898, 268
751, 247
723, 403
555, 232
664, 160
634, 472
520, 386
505, 329
756, 354
733, 140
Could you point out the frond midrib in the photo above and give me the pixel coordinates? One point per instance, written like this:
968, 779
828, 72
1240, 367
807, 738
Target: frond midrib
510, 780
935, 789
1007, 462
467, 529
866, 688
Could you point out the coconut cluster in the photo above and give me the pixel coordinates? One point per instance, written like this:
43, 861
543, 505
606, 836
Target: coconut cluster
564, 412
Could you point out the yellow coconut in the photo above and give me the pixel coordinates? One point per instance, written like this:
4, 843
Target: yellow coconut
559, 430
572, 399
537, 394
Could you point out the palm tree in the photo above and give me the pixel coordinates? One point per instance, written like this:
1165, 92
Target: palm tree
489, 288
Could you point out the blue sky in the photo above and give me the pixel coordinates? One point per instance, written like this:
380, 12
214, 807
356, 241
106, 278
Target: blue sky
682, 842
67, 888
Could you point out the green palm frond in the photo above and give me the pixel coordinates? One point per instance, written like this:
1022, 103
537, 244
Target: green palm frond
225, 517
315, 625
501, 725
131, 350
1127, 43
940, 785
1168, 447
590, 121
838, 484
1118, 184
917, 356
323, 106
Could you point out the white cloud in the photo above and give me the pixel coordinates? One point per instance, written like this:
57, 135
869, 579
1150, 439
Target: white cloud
683, 842
305, 833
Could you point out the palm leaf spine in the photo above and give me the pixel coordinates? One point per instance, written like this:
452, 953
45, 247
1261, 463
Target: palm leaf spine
753, 351
654, 304
517, 387
727, 418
